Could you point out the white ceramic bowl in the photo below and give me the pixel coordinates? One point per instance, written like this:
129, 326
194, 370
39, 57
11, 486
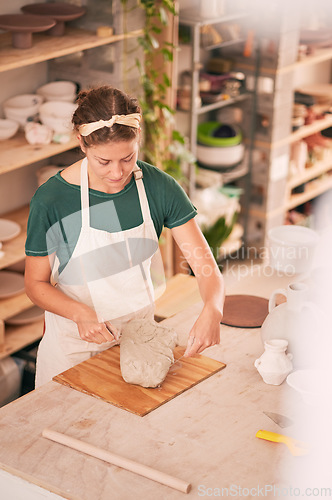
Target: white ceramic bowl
58, 91
292, 248
57, 115
315, 386
8, 129
219, 156
22, 108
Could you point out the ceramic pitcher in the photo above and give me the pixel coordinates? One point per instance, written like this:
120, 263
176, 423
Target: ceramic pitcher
274, 365
294, 320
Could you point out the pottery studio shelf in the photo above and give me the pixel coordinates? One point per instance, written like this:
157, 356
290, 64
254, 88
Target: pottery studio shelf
14, 249
205, 108
15, 338
18, 337
320, 55
46, 47
189, 18
310, 173
314, 188
17, 152
311, 191
299, 134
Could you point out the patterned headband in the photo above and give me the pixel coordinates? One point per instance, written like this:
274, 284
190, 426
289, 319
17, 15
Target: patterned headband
132, 120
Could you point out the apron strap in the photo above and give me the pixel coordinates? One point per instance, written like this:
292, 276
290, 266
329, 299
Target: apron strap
142, 196
85, 194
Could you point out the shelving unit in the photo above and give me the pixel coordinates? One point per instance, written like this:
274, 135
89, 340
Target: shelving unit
187, 18
273, 181
16, 153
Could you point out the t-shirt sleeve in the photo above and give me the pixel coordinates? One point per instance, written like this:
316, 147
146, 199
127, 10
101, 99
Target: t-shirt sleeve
42, 235
179, 209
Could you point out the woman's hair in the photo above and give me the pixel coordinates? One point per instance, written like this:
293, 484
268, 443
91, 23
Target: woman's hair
102, 103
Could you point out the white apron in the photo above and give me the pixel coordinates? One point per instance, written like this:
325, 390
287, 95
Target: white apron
110, 272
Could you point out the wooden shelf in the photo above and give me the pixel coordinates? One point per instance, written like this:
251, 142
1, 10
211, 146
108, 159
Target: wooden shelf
314, 127
190, 18
319, 56
14, 305
17, 152
18, 337
299, 134
14, 249
46, 47
312, 189
227, 43
309, 173
205, 108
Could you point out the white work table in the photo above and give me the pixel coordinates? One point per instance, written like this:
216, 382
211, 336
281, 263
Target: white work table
205, 436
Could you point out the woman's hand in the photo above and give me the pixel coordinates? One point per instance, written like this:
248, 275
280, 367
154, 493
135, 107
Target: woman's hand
50, 298
92, 330
205, 332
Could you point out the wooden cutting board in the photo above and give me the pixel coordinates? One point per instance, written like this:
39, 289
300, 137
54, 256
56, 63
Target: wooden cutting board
100, 377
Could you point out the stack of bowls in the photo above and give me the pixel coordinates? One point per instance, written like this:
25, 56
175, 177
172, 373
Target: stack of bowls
219, 145
22, 108
57, 115
58, 91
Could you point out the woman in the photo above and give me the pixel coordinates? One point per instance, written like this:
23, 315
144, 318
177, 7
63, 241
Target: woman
93, 232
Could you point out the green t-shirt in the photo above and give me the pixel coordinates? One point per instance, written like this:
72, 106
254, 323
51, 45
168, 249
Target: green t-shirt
55, 211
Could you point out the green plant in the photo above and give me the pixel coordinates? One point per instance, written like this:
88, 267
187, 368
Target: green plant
163, 146
217, 233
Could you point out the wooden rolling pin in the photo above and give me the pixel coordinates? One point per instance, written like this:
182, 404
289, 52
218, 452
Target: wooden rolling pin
123, 462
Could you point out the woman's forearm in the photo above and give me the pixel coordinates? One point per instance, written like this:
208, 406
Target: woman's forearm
53, 300
211, 288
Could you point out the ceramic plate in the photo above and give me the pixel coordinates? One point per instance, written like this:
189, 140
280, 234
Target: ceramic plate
10, 284
58, 10
24, 23
8, 229
28, 316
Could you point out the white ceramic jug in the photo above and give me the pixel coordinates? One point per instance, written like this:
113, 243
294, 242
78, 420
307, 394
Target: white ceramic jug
294, 320
274, 364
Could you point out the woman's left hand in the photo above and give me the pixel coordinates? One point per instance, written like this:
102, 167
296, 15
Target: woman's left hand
205, 332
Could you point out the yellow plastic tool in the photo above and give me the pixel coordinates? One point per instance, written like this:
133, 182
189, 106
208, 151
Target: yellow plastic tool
296, 447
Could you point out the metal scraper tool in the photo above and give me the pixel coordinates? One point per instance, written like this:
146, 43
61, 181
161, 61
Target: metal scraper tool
280, 420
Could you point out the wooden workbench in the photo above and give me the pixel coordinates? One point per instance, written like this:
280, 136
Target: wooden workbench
205, 436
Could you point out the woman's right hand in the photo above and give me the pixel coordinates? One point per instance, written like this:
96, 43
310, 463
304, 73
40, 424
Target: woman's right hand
92, 330
49, 297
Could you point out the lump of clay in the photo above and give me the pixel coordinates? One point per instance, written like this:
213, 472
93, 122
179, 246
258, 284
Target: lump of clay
146, 352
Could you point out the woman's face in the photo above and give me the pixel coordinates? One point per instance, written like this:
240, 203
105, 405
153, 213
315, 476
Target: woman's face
110, 165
